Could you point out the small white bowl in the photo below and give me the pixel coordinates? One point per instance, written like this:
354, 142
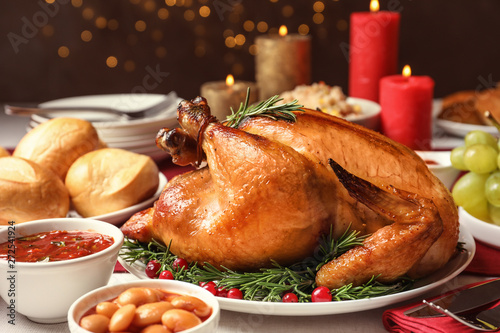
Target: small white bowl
91, 299
440, 165
370, 113
486, 232
44, 291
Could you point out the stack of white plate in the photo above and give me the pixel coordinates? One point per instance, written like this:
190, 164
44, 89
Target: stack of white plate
136, 135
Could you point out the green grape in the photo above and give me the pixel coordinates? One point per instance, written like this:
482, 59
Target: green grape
457, 158
492, 189
469, 193
480, 158
474, 137
494, 214
479, 210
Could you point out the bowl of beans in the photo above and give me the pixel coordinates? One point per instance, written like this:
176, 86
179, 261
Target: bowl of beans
146, 306
47, 264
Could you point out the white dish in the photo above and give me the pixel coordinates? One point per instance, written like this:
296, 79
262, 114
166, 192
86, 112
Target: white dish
484, 232
118, 217
459, 129
44, 291
370, 113
441, 167
449, 271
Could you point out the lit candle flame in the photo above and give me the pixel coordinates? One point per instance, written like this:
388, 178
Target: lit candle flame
229, 80
283, 30
374, 6
407, 71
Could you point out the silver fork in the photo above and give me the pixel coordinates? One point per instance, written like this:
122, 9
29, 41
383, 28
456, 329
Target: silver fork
469, 323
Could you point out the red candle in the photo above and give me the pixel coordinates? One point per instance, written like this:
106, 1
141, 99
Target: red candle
373, 50
406, 103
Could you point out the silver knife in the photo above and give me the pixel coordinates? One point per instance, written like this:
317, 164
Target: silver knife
460, 301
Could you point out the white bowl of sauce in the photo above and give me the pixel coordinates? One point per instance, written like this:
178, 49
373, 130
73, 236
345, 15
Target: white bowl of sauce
47, 271
440, 165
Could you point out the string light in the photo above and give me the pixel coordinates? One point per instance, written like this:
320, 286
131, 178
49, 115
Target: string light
342, 25
262, 26
76, 3
204, 11
303, 29
111, 62
163, 13
318, 18
86, 35
318, 6
238, 38
88, 13
189, 15
129, 65
113, 24
140, 25
48, 30
248, 25
63, 51
287, 11
101, 22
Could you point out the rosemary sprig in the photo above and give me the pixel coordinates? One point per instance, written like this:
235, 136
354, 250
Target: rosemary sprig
269, 284
267, 108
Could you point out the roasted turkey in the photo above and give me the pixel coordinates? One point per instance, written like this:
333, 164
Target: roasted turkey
271, 188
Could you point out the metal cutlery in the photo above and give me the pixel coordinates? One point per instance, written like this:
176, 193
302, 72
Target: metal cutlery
462, 301
486, 321
460, 306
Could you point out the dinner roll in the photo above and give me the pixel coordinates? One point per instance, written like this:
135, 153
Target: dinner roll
4, 152
30, 192
110, 179
57, 143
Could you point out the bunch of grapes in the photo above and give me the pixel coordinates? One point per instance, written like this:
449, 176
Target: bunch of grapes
478, 191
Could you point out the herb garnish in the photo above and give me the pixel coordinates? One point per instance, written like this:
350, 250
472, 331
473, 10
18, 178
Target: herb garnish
269, 284
267, 108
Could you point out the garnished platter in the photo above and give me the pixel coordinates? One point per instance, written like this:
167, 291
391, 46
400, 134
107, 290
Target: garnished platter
454, 267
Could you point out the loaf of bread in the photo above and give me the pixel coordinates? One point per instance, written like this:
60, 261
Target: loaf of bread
110, 179
30, 192
57, 143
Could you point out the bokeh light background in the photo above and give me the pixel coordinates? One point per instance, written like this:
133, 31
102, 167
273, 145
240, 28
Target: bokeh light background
79, 47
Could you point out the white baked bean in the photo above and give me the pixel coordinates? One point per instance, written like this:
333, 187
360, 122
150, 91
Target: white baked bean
138, 296
190, 303
178, 320
150, 313
96, 323
156, 329
122, 318
106, 308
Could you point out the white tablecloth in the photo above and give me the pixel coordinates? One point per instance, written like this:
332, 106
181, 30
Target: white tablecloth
235, 322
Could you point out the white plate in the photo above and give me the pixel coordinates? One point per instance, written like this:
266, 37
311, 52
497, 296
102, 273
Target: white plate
485, 232
459, 129
122, 215
449, 271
